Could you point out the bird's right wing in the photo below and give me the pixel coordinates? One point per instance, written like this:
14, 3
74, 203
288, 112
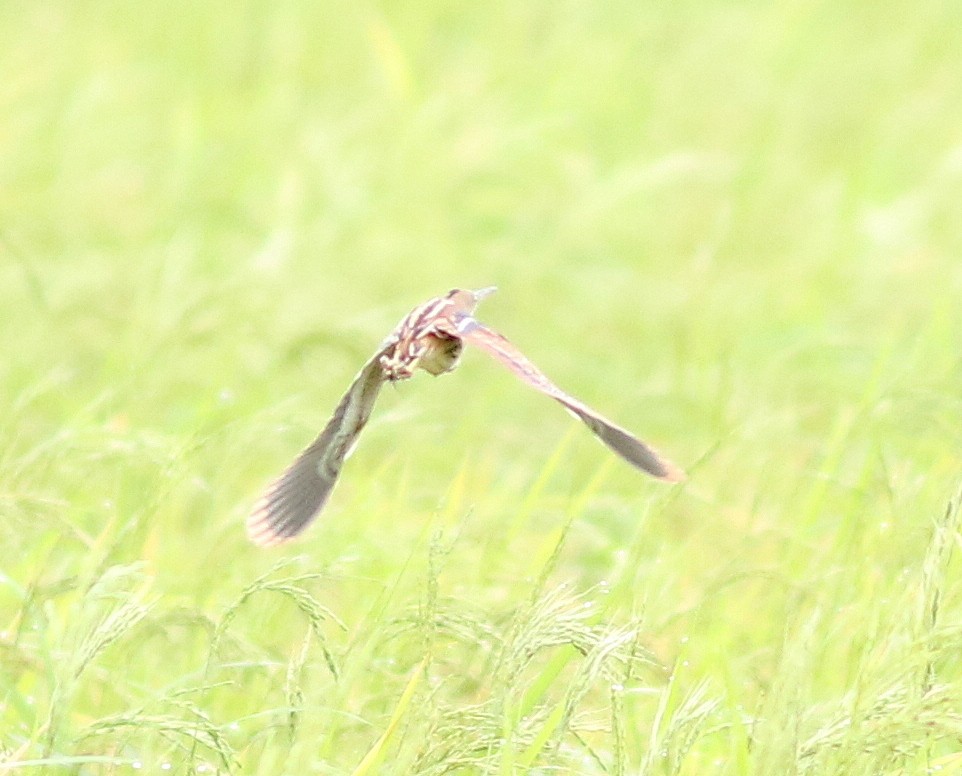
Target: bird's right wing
295, 498
618, 440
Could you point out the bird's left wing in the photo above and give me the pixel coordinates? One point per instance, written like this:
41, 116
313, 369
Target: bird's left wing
295, 498
620, 441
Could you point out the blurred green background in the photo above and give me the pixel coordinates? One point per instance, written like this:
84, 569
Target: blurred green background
732, 227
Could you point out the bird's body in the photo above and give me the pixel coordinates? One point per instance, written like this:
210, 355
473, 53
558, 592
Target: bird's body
426, 337
430, 337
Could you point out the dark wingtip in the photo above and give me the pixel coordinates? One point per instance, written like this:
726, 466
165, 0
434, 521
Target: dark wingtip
274, 522
628, 447
670, 473
651, 463
263, 526
290, 504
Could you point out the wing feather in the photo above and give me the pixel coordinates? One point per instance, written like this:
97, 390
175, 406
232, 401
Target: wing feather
618, 440
295, 498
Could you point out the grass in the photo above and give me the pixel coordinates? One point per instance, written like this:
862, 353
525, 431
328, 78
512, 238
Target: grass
733, 228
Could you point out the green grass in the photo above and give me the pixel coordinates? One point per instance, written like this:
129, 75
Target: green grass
734, 228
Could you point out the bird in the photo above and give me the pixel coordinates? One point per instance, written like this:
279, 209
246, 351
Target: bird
431, 337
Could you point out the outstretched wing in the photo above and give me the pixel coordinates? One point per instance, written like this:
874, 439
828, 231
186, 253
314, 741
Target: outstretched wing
295, 498
620, 441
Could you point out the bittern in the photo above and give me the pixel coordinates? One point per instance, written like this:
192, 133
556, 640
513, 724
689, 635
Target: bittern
431, 337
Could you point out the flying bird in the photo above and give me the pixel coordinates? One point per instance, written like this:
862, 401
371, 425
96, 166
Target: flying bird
431, 337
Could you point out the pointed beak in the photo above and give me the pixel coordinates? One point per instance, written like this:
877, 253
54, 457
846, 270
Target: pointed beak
481, 293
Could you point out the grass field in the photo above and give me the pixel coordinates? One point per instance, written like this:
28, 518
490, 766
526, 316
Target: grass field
733, 227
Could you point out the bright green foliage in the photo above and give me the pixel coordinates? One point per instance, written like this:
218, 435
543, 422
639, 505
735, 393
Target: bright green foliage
733, 227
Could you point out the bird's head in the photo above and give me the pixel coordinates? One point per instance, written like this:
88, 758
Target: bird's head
465, 300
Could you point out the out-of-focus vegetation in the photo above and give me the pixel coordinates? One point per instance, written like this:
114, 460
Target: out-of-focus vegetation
734, 228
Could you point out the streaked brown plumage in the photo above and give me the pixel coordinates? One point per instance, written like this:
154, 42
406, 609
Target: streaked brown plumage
430, 337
